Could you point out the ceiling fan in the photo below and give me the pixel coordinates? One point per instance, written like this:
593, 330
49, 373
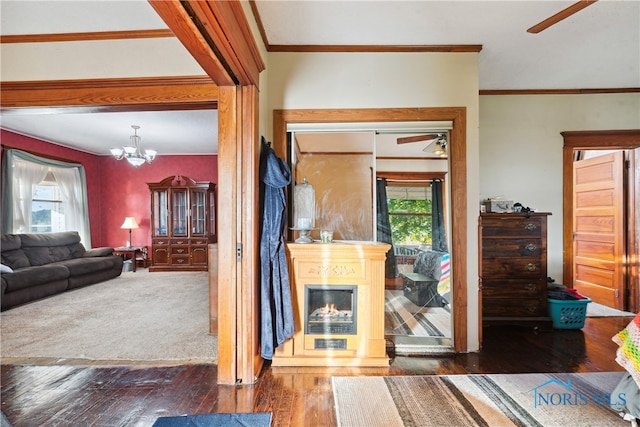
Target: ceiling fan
439, 138
563, 14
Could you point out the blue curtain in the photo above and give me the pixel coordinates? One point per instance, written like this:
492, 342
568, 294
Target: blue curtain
384, 227
439, 236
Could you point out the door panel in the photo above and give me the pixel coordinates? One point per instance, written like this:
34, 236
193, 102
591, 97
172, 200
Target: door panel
598, 218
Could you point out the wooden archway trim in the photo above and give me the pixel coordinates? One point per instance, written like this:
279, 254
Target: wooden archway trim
457, 176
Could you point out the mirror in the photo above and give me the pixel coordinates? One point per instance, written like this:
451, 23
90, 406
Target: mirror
340, 167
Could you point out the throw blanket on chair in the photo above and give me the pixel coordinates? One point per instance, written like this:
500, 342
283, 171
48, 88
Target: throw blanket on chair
438, 266
628, 356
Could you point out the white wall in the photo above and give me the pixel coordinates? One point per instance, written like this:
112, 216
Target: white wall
521, 148
96, 59
385, 80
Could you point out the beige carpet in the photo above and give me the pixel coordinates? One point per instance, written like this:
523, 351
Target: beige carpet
141, 317
580, 399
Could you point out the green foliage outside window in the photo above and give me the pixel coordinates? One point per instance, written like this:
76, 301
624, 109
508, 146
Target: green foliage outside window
410, 221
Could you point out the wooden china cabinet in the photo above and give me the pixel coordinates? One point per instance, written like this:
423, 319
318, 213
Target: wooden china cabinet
183, 223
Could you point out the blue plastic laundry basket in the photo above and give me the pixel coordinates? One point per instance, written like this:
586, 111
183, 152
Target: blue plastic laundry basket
568, 314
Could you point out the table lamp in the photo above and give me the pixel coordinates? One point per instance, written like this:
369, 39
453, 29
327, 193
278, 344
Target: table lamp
129, 222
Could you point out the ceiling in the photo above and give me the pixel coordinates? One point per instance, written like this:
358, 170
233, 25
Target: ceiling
596, 48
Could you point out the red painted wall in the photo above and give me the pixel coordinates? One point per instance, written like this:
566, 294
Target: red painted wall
116, 189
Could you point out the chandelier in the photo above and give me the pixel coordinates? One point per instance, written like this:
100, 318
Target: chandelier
132, 152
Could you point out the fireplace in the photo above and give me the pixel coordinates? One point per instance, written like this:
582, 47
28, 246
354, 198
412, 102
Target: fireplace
338, 305
331, 310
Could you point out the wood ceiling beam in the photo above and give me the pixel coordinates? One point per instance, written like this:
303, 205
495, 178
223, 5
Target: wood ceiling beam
217, 35
128, 94
563, 14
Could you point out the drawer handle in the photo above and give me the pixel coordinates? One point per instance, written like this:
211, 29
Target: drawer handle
530, 286
531, 247
531, 308
180, 251
180, 261
531, 267
179, 242
530, 227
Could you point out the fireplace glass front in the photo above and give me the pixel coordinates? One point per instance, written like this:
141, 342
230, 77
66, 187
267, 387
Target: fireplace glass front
330, 309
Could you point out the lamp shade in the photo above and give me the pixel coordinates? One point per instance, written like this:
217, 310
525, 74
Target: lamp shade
129, 222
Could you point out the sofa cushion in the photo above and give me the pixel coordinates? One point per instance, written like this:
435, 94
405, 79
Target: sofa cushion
99, 252
62, 238
39, 255
60, 253
77, 250
79, 266
15, 259
10, 242
34, 276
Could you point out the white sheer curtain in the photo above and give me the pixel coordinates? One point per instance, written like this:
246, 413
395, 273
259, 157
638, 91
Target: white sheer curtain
24, 176
70, 185
21, 171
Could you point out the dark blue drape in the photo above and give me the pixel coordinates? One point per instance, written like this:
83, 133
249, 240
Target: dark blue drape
384, 227
439, 237
276, 307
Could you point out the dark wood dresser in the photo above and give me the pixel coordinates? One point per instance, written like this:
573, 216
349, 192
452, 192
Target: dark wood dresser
513, 270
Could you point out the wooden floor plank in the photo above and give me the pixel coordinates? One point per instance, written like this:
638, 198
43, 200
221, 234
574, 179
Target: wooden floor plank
94, 395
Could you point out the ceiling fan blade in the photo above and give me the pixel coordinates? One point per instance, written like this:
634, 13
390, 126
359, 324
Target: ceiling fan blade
563, 14
418, 138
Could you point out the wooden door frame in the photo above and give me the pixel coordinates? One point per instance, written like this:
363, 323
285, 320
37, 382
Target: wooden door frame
458, 180
592, 140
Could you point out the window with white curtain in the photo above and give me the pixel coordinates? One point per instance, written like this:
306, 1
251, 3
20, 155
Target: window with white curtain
32, 184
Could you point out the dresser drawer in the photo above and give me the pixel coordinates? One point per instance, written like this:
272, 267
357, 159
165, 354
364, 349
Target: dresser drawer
514, 307
503, 247
512, 227
515, 288
506, 268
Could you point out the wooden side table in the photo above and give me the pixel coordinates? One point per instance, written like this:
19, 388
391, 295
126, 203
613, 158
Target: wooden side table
133, 253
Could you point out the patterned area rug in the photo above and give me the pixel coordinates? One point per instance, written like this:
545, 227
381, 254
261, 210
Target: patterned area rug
580, 399
402, 317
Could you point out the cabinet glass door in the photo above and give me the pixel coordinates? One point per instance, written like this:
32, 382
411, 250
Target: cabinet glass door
199, 212
160, 213
179, 214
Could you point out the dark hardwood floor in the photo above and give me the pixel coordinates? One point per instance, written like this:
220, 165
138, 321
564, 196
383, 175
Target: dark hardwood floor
74, 395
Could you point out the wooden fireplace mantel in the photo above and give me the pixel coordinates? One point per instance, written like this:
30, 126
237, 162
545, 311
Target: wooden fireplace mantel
338, 264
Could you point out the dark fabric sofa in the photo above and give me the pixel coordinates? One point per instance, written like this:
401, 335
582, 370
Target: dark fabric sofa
35, 266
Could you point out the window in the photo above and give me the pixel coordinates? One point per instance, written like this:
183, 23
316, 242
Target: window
47, 209
43, 195
410, 215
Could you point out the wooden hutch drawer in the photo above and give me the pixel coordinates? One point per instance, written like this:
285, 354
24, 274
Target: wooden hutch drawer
180, 259
160, 242
180, 250
528, 247
512, 226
